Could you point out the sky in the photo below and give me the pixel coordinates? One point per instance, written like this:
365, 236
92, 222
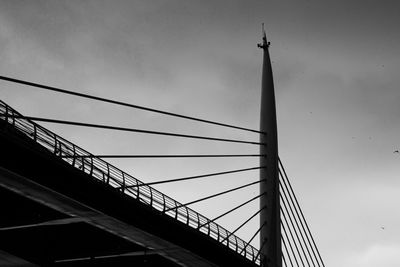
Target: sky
335, 67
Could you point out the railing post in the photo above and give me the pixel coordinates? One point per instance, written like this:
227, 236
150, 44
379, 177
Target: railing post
91, 166
218, 233
60, 149
6, 117
55, 144
13, 118
83, 164
176, 210
137, 188
187, 215
108, 173
34, 133
198, 221
123, 182
228, 235
236, 242
151, 196
163, 196
11, 114
74, 157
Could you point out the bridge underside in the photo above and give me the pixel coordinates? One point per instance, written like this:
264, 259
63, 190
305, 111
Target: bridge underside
54, 215
42, 227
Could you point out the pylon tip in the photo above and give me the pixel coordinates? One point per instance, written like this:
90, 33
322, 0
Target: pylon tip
265, 44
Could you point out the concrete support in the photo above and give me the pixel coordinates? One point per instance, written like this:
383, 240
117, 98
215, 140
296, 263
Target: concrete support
270, 234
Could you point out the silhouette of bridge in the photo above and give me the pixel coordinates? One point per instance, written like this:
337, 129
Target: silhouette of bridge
63, 206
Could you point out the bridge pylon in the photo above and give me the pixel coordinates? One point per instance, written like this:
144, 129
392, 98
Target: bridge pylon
270, 234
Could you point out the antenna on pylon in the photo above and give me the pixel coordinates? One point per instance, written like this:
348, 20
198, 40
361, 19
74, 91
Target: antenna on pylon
265, 44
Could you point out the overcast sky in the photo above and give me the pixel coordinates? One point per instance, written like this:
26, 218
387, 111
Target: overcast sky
336, 70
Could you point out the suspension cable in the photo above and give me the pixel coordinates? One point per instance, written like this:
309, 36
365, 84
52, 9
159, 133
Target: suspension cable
231, 210
251, 239
290, 244
287, 252
134, 130
296, 218
294, 241
301, 212
284, 260
259, 251
168, 156
243, 224
214, 195
54, 89
193, 177
294, 229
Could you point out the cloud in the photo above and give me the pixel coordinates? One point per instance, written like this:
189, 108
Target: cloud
382, 255
335, 70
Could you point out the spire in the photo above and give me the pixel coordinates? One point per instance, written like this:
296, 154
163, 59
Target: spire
270, 234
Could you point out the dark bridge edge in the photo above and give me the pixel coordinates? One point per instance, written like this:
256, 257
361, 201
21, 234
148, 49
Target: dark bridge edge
107, 173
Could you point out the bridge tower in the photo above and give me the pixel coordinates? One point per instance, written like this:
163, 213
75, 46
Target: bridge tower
270, 234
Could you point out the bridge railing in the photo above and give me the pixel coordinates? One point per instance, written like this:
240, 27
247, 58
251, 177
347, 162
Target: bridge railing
113, 176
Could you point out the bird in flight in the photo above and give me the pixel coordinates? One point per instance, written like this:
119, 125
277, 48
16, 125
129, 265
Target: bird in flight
396, 151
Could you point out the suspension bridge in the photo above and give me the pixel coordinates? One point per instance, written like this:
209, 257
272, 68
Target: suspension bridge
63, 206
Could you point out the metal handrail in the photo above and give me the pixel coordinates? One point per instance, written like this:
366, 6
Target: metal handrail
113, 176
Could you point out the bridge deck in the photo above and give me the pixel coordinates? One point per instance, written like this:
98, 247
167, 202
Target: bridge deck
72, 212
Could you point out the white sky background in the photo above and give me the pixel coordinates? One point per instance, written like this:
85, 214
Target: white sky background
336, 77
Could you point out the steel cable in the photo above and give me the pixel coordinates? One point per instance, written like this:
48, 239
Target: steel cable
301, 212
135, 130
59, 90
